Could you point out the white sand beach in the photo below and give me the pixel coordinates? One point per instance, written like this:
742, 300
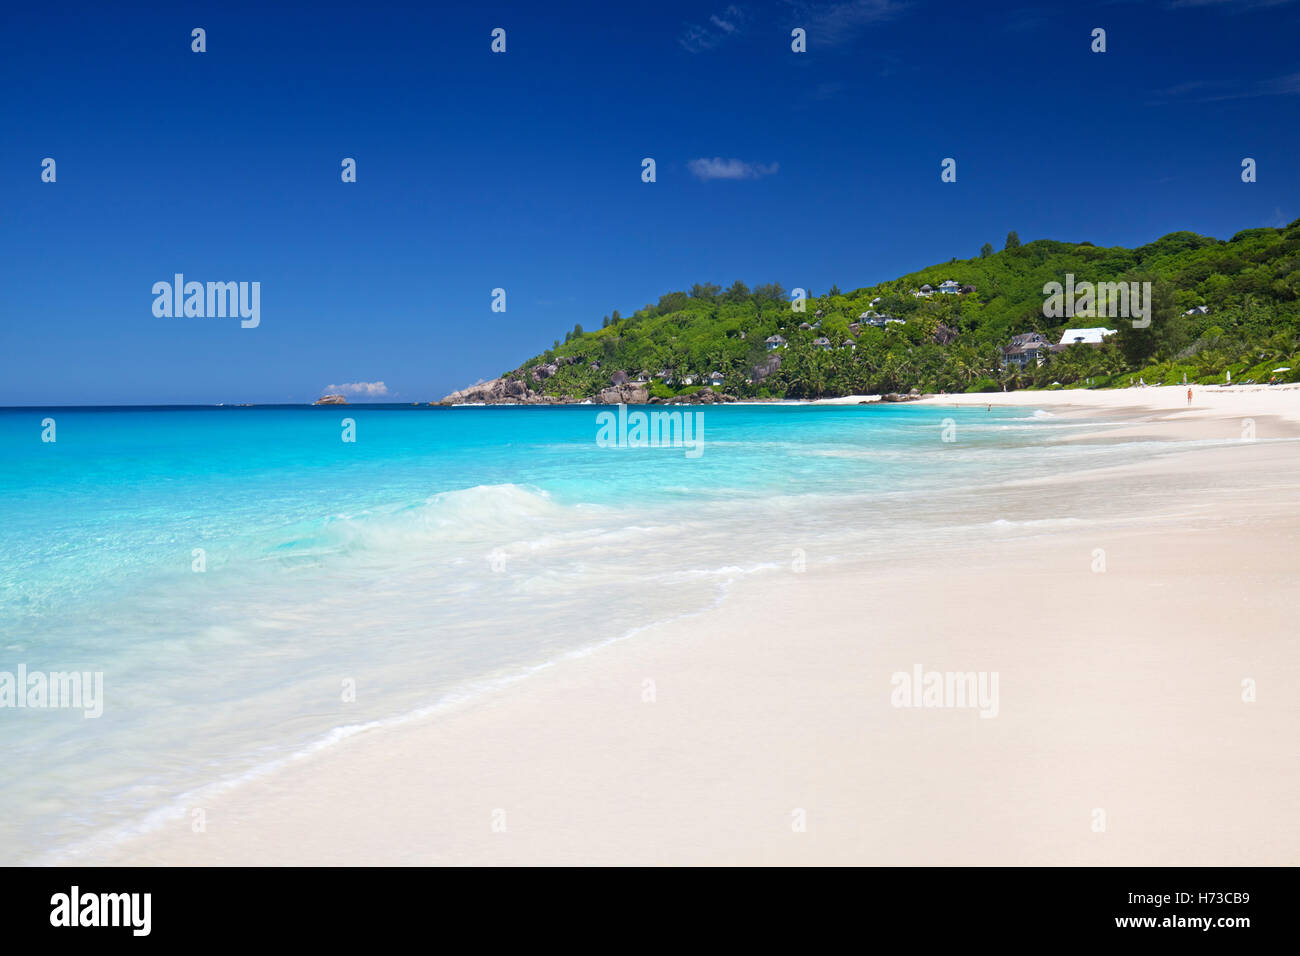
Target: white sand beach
1212, 400
1146, 663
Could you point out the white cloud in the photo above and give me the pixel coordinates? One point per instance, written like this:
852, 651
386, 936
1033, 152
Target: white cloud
719, 168
726, 26
1215, 91
697, 39
830, 24
370, 389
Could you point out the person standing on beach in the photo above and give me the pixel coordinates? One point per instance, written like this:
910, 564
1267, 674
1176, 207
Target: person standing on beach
1189, 396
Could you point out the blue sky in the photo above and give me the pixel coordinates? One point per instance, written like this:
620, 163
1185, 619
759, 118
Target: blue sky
522, 170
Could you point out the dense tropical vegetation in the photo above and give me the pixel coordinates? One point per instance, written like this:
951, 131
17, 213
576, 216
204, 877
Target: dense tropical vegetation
1250, 285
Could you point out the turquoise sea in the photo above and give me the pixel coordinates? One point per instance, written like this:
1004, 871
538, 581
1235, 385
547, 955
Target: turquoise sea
234, 572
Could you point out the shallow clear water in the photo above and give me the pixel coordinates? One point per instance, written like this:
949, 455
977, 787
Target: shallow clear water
442, 551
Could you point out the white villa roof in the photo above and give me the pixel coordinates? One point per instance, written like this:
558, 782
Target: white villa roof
1086, 336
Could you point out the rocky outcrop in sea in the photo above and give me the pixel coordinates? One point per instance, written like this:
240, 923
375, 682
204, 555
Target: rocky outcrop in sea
504, 391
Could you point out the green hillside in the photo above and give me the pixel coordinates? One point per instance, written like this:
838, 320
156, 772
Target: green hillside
1250, 284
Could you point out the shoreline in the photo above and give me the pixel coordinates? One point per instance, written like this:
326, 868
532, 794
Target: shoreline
778, 700
1152, 396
